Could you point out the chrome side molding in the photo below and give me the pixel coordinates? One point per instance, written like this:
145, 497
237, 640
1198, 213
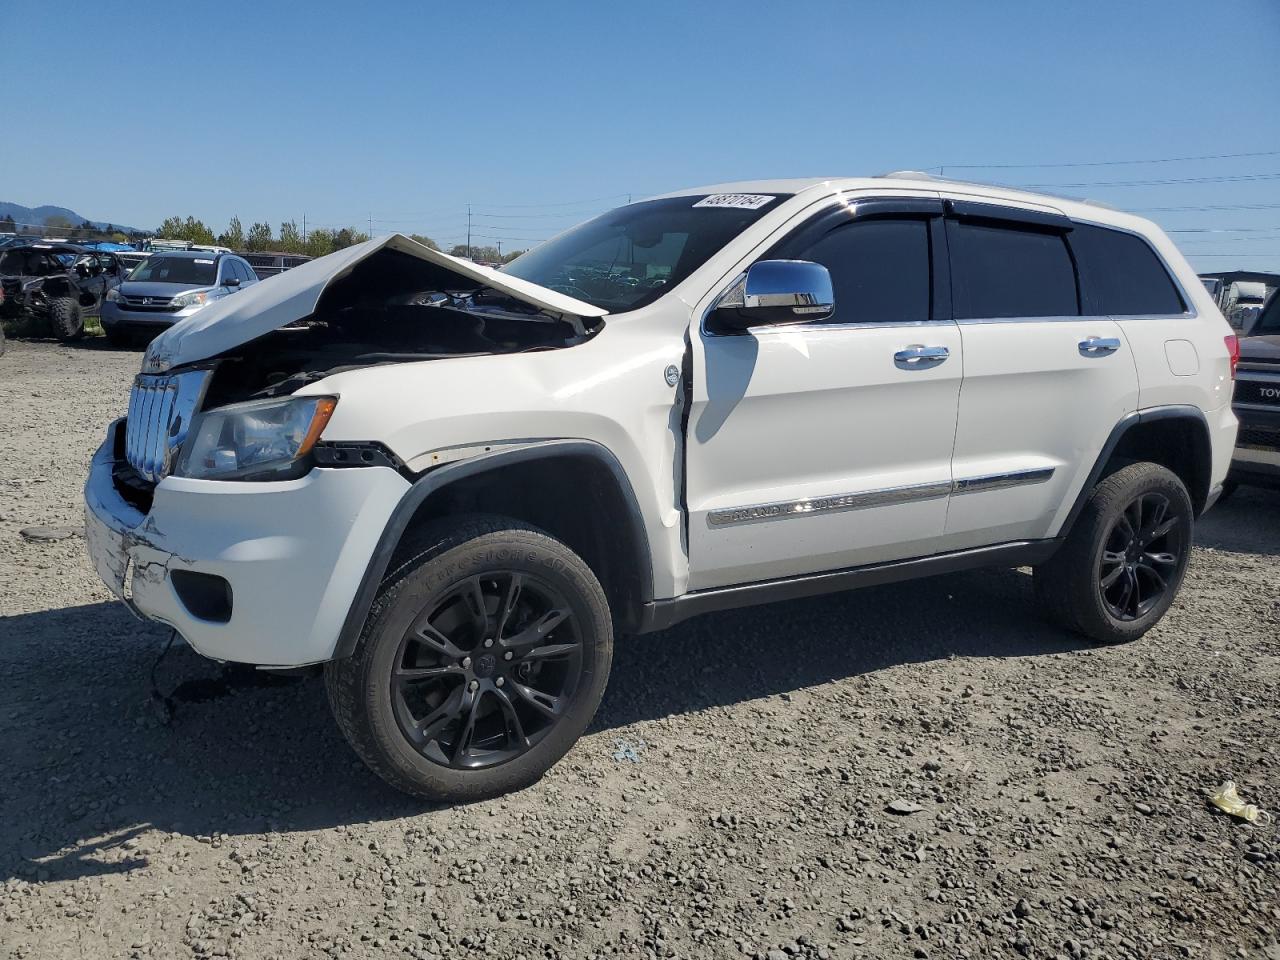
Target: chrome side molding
887, 497
1002, 481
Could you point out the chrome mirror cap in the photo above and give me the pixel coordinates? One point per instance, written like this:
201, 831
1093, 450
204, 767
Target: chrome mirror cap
777, 291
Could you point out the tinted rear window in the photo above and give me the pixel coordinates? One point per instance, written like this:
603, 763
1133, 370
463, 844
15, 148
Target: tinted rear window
879, 270
1121, 275
1001, 271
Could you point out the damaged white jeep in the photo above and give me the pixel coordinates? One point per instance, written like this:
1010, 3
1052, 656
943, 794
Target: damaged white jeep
453, 486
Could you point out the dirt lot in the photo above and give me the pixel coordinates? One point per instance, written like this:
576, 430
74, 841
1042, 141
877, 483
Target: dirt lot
730, 799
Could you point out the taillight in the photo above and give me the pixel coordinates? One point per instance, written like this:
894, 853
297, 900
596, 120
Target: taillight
1233, 351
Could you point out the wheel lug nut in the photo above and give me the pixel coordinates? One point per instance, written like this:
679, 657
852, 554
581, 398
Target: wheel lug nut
473, 685
488, 643
466, 661
499, 682
508, 655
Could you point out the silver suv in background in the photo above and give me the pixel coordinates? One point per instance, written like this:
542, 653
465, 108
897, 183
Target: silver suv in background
169, 287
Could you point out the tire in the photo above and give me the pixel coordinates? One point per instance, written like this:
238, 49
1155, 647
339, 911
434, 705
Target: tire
1071, 585
1, 339
433, 723
65, 318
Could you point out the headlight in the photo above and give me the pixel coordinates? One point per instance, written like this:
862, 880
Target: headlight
189, 299
113, 294
261, 440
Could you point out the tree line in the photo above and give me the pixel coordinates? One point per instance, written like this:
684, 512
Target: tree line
290, 239
259, 236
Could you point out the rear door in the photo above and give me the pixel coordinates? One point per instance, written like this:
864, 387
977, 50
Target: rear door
816, 447
1044, 383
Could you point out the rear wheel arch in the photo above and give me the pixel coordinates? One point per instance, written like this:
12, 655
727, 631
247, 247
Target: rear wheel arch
1175, 437
574, 490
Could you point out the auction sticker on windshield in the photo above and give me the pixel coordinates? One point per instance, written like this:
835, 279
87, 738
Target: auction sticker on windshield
741, 201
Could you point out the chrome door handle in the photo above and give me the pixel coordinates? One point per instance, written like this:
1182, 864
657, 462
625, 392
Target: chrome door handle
918, 356
1099, 346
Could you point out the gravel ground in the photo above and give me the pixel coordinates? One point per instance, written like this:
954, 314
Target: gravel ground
731, 798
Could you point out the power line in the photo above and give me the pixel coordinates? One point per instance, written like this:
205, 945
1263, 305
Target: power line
1102, 163
1243, 178
1207, 207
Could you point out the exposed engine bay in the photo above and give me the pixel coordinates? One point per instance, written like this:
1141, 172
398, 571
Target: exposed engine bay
390, 308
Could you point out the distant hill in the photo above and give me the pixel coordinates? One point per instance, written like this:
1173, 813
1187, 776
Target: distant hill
36, 216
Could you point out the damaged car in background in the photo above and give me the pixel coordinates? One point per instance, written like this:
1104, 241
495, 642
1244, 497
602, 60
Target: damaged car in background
451, 485
56, 284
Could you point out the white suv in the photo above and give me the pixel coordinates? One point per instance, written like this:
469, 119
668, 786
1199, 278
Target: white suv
452, 485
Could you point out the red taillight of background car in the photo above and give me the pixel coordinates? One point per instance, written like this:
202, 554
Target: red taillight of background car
1233, 351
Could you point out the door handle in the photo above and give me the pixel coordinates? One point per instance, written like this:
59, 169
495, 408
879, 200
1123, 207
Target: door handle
919, 357
1099, 346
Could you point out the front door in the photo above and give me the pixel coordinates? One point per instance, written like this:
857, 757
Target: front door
816, 447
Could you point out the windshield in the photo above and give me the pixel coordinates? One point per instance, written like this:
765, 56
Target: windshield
630, 256
190, 270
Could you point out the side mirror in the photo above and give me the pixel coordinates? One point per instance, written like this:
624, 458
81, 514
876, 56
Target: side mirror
231, 282
777, 291
82, 271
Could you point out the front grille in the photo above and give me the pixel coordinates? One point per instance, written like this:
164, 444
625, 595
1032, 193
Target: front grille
148, 304
1258, 438
160, 413
1258, 391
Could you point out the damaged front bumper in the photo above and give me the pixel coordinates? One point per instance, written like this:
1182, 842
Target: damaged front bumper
288, 555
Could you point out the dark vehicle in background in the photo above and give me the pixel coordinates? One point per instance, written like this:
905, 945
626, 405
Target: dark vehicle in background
1241, 294
267, 264
170, 286
56, 283
1257, 402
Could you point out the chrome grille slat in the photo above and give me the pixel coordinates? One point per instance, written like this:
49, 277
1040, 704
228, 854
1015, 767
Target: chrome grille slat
161, 409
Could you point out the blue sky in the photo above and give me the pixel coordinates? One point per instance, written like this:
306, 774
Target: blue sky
538, 114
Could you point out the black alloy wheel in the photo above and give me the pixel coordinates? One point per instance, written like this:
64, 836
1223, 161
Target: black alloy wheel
1122, 562
487, 670
1140, 555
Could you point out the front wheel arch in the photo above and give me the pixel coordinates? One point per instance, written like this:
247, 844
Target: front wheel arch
619, 526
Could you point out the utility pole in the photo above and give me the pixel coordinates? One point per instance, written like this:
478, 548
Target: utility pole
468, 231
499, 251
304, 229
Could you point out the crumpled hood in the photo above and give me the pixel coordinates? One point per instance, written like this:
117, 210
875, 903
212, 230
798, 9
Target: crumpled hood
1265, 348
292, 295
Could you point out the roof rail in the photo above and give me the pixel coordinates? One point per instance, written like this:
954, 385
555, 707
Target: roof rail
908, 175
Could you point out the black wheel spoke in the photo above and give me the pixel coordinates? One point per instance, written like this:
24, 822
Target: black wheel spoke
544, 703
510, 599
1154, 574
437, 641
1109, 578
1162, 529
473, 596
469, 710
551, 651
410, 674
511, 716
535, 634
429, 727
